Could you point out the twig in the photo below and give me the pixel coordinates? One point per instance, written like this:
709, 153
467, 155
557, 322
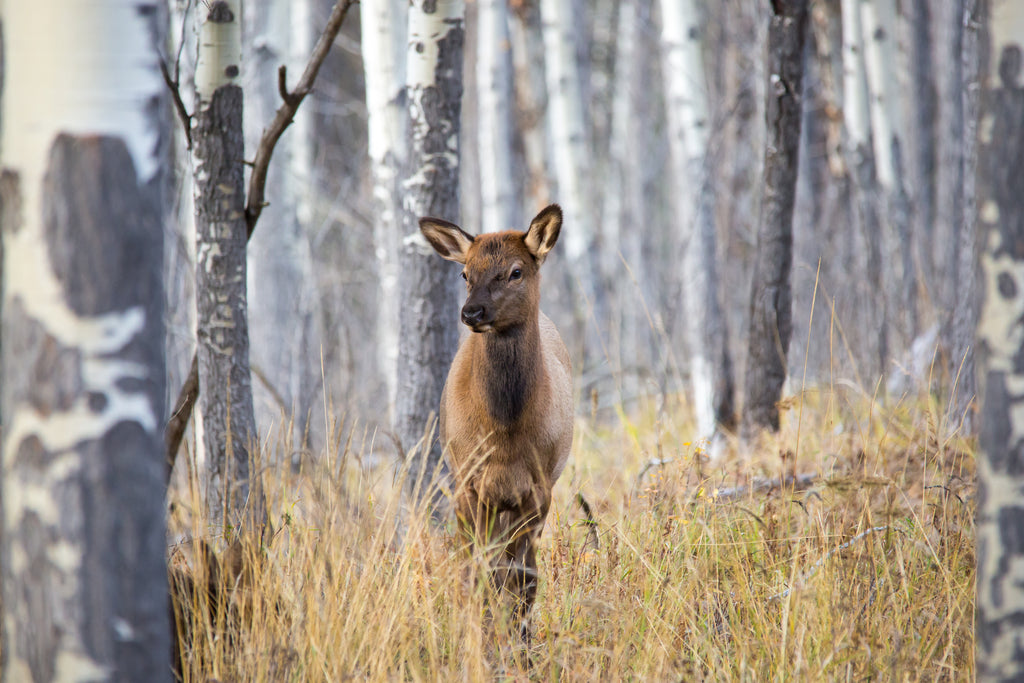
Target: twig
175, 430
286, 112
656, 462
254, 206
801, 481
179, 106
174, 84
269, 386
817, 565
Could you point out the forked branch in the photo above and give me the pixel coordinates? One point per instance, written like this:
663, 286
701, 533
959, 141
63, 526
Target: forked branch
285, 114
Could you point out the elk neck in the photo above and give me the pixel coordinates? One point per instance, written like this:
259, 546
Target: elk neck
507, 369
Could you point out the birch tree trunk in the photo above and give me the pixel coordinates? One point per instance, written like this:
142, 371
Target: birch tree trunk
771, 314
527, 40
225, 418
499, 204
384, 26
710, 365
957, 177
879, 24
922, 141
963, 405
1000, 513
279, 261
428, 333
84, 197
870, 316
622, 246
949, 171
571, 160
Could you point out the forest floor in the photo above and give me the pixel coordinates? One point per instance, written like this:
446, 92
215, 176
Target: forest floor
840, 549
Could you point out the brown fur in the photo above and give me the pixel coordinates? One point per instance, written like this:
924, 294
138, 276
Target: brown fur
506, 410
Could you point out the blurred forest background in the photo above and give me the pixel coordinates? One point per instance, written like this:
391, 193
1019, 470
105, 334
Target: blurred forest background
702, 243
883, 227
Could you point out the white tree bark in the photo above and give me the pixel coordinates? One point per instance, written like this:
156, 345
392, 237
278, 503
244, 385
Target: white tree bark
856, 106
689, 127
83, 195
225, 419
886, 104
499, 204
626, 304
1000, 513
180, 232
859, 148
384, 27
526, 38
571, 159
878, 22
282, 315
568, 131
428, 333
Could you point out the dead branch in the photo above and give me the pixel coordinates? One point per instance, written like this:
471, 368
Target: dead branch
173, 84
798, 482
254, 205
286, 112
178, 421
807, 575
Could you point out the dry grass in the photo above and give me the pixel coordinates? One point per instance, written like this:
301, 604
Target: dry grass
867, 573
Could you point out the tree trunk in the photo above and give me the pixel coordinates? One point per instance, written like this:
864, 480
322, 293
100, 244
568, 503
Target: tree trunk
570, 160
771, 314
527, 41
710, 365
622, 246
962, 416
84, 197
226, 423
384, 26
922, 143
870, 315
428, 333
499, 203
886, 99
1000, 196
949, 171
279, 261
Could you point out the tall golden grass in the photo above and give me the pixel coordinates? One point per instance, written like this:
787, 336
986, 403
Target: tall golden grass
840, 549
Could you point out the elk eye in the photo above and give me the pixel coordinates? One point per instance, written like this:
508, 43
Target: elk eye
463, 274
515, 274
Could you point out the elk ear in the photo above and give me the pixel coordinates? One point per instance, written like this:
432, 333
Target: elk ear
446, 238
543, 232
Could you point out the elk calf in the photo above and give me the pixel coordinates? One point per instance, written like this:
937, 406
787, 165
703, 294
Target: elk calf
506, 411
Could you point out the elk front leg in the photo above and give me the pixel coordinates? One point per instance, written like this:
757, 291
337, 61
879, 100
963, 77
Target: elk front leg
522, 555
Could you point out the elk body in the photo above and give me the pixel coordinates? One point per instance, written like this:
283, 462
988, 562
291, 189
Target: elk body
506, 410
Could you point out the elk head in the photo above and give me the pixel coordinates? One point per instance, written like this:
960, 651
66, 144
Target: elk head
501, 270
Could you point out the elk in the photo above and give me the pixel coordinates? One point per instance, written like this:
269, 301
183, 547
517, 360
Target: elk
506, 409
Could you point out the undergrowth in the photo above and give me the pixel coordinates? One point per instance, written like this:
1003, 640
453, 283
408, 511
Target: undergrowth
841, 548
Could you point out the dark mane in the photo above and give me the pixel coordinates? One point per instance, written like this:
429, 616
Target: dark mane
510, 383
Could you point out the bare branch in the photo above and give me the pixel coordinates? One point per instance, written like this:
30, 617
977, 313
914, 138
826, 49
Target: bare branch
254, 206
174, 86
282, 85
181, 42
175, 430
286, 112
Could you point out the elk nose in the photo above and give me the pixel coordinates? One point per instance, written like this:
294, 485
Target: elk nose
472, 314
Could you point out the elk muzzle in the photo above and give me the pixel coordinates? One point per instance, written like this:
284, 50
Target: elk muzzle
475, 316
